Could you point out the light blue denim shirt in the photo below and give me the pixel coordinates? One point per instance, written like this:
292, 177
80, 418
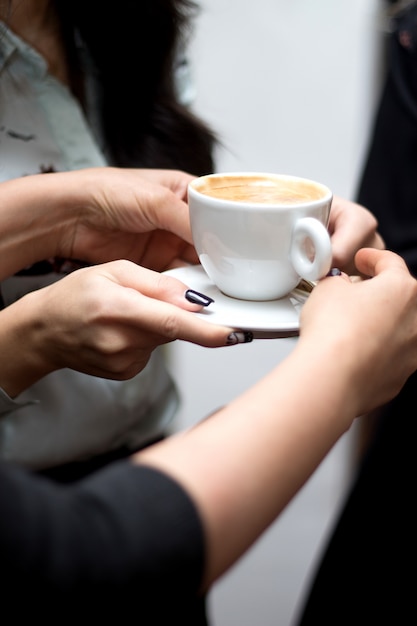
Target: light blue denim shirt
66, 416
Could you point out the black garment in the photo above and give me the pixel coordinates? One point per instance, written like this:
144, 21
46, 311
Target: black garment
76, 470
389, 181
126, 542
366, 575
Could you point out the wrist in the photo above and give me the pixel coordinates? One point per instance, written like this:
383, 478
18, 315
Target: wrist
335, 378
24, 345
36, 212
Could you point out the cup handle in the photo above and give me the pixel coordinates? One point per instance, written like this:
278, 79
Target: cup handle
307, 231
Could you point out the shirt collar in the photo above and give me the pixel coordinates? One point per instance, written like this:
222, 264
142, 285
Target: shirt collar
12, 46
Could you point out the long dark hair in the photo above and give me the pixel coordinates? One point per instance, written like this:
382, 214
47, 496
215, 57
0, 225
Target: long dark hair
132, 46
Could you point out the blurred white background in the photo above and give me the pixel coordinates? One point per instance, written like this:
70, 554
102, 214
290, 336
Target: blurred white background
290, 87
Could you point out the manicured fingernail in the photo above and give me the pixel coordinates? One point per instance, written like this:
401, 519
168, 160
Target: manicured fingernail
334, 272
197, 298
242, 336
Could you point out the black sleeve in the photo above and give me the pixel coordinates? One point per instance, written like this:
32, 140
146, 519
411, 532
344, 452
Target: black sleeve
127, 539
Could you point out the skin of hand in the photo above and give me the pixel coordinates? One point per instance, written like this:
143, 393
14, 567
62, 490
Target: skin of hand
351, 227
243, 464
377, 317
102, 214
152, 213
103, 320
97, 215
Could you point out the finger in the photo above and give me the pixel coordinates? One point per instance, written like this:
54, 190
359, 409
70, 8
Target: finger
352, 227
168, 212
335, 271
168, 312
176, 180
371, 261
165, 250
158, 206
357, 226
150, 283
171, 322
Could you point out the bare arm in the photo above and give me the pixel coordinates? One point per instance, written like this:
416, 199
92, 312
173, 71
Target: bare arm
242, 465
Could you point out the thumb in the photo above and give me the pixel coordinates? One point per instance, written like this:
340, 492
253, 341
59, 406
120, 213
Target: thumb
370, 261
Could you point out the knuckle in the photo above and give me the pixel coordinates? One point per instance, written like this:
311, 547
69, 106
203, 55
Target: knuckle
169, 327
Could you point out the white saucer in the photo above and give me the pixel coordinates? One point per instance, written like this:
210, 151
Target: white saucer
267, 320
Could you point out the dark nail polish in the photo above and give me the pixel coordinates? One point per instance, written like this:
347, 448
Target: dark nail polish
334, 272
239, 336
197, 298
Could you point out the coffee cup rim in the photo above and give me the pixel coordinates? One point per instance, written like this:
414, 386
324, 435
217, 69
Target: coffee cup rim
196, 182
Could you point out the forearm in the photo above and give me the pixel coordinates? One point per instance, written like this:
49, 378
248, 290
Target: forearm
35, 210
243, 465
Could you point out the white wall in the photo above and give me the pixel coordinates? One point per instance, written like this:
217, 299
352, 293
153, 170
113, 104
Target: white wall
290, 87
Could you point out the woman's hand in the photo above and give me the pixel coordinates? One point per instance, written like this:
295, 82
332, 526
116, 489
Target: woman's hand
97, 215
140, 215
103, 320
368, 328
351, 227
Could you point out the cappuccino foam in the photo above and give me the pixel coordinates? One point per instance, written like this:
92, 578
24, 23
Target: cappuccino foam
261, 190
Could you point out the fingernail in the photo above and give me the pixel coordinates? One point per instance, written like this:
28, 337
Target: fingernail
334, 272
197, 298
242, 336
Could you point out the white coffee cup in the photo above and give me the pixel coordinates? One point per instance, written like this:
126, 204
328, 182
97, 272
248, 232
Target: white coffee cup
257, 234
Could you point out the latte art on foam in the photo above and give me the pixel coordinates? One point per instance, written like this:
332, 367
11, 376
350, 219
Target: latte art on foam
262, 190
